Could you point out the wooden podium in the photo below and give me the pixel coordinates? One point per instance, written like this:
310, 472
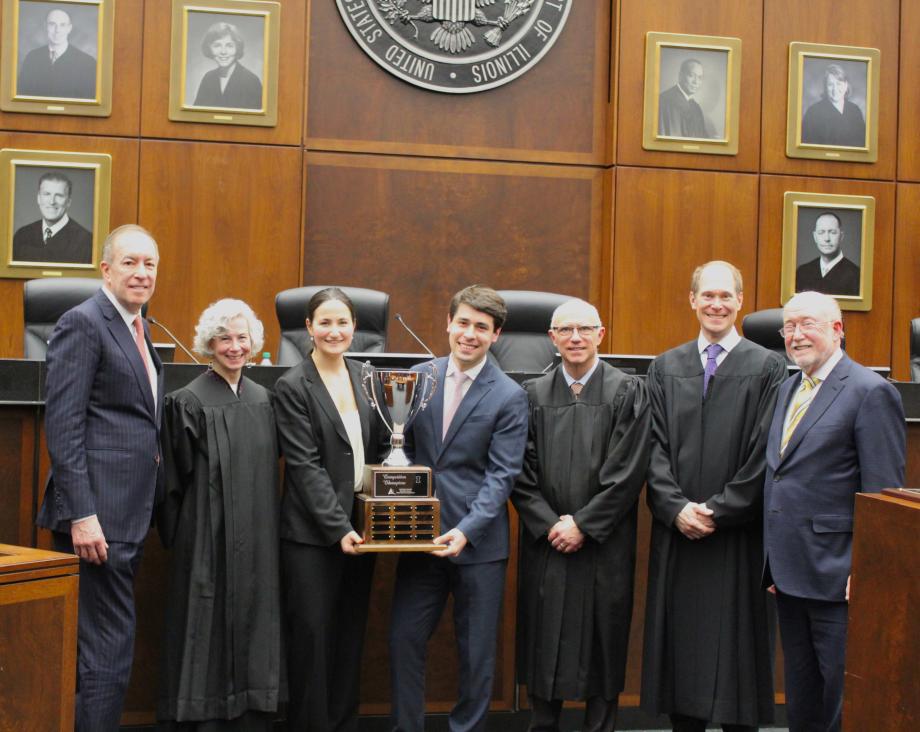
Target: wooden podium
883, 637
38, 638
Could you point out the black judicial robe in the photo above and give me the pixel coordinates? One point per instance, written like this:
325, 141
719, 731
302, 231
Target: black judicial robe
824, 125
708, 630
843, 278
222, 645
586, 458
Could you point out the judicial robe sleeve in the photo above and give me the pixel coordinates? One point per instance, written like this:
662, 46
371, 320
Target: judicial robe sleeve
664, 496
180, 434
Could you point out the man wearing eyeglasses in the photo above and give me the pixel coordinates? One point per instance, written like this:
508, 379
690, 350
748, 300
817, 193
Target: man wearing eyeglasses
838, 429
707, 655
586, 457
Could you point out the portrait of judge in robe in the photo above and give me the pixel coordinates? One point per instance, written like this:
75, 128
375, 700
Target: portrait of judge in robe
58, 50
62, 200
216, 76
692, 93
828, 251
834, 100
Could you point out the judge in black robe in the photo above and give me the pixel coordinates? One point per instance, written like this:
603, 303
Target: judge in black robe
841, 279
222, 658
823, 124
708, 646
70, 76
586, 458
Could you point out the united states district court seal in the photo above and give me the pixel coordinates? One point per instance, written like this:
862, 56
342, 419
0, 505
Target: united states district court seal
456, 46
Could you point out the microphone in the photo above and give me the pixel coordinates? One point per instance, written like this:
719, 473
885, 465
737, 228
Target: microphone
154, 321
411, 333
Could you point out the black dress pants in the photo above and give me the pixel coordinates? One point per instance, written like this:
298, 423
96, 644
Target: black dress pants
600, 714
680, 723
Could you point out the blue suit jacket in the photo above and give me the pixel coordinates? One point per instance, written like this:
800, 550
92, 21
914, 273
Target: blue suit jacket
101, 424
477, 462
851, 439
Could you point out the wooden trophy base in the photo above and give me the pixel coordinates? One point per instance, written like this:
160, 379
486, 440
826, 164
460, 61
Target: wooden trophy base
396, 512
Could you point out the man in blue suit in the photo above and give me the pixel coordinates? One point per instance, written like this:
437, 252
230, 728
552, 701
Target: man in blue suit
472, 435
838, 429
104, 402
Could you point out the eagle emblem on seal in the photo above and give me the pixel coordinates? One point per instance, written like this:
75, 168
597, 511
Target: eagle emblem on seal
453, 19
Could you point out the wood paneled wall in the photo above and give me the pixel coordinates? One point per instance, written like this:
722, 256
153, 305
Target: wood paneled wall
540, 184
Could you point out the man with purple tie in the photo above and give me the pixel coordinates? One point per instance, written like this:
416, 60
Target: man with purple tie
103, 408
707, 656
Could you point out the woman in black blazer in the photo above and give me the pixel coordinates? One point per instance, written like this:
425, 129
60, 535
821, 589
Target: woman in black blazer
327, 432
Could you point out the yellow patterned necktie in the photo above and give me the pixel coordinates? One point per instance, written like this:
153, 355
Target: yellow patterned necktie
799, 406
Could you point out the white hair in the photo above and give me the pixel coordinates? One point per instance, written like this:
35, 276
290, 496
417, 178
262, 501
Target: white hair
215, 321
819, 304
580, 307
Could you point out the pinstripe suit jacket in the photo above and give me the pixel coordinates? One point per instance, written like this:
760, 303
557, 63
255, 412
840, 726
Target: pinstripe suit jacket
101, 423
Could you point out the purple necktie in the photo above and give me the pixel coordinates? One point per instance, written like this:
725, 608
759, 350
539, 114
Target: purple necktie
712, 353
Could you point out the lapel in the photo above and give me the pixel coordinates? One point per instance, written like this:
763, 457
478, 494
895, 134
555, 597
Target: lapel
478, 389
125, 340
321, 394
829, 391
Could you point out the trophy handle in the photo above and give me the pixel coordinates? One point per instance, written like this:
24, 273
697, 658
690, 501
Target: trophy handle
431, 384
368, 379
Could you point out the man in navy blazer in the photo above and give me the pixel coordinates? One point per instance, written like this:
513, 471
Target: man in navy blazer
472, 435
103, 406
838, 429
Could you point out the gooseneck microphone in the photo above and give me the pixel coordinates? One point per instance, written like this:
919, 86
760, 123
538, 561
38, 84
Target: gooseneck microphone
175, 340
412, 333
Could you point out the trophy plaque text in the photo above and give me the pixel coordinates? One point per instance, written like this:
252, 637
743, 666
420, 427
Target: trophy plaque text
396, 511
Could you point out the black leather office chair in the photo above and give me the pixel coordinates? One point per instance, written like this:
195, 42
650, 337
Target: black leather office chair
915, 349
524, 344
762, 327
46, 300
372, 308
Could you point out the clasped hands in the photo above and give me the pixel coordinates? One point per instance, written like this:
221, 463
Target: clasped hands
695, 521
565, 536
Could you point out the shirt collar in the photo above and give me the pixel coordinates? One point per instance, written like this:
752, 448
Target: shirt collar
56, 226
569, 379
822, 373
728, 342
688, 97
125, 314
825, 268
471, 373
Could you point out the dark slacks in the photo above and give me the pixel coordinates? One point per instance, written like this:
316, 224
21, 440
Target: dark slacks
600, 714
680, 723
423, 584
105, 634
326, 596
814, 636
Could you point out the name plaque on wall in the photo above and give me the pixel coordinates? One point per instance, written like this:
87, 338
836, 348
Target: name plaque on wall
455, 46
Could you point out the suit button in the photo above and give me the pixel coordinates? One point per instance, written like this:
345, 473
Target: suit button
348, 453
776, 478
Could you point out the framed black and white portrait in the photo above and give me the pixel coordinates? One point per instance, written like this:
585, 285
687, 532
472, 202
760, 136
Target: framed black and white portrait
224, 63
57, 57
827, 247
833, 102
692, 93
57, 215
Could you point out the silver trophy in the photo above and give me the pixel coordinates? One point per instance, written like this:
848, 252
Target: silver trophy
398, 395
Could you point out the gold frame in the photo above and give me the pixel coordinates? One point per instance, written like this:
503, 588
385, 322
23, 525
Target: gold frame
10, 159
181, 112
12, 101
795, 148
651, 140
792, 202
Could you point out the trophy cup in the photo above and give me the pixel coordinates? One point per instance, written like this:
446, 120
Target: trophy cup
396, 509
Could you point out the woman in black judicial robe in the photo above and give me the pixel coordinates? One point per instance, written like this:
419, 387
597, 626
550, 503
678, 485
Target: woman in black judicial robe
327, 432
221, 665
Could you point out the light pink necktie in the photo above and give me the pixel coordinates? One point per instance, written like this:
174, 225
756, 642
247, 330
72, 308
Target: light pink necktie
456, 397
142, 346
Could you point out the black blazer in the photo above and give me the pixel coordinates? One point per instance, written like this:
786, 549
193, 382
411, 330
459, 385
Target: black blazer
319, 475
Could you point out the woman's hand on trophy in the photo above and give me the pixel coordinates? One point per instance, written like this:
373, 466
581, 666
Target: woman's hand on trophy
454, 541
350, 542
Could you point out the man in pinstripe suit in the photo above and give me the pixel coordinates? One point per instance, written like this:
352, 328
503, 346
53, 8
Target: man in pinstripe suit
104, 401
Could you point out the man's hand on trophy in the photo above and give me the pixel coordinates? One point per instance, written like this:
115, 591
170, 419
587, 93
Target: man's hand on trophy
350, 541
454, 541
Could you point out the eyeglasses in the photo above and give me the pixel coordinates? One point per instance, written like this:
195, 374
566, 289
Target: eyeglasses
566, 331
809, 327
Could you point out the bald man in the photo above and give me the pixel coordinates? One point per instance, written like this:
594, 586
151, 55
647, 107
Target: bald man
58, 70
584, 467
838, 429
